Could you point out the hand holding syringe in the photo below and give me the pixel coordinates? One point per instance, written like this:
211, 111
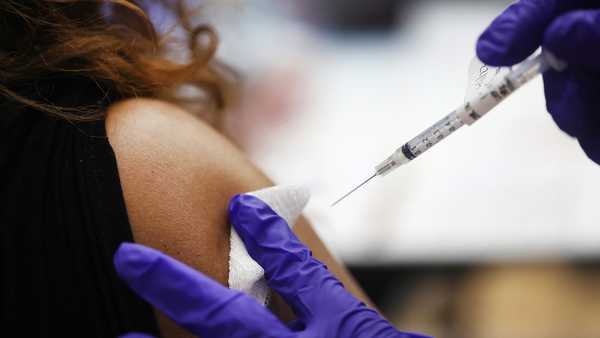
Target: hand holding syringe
469, 112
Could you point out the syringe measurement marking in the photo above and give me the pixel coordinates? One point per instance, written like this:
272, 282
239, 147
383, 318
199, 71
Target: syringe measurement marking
432, 136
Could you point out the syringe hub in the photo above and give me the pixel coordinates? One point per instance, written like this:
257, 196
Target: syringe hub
394, 161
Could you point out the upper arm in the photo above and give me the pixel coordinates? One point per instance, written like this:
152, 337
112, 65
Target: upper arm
178, 175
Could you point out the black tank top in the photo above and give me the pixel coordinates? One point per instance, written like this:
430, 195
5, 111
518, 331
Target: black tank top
62, 216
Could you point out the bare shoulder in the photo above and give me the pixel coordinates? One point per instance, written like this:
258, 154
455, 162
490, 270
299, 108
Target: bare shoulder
161, 130
177, 175
134, 118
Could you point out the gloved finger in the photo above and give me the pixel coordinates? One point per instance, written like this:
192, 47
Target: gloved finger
574, 37
289, 266
519, 30
572, 100
191, 299
136, 335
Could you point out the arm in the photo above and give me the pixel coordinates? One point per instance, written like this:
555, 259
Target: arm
324, 307
177, 175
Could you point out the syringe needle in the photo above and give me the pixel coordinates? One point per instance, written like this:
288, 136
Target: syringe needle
353, 190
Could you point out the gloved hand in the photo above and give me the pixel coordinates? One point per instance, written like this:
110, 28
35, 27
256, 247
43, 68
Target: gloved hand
570, 29
323, 306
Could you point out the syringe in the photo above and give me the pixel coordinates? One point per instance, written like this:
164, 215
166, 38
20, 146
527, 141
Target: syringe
469, 112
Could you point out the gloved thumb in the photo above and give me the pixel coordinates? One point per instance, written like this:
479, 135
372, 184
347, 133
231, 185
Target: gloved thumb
288, 263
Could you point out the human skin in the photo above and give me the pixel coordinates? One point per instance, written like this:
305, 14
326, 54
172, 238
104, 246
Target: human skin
177, 175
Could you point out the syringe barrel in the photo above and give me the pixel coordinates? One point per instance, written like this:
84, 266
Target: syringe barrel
469, 112
481, 104
432, 135
473, 109
421, 143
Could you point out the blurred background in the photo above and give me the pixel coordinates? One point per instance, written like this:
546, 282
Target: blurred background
493, 233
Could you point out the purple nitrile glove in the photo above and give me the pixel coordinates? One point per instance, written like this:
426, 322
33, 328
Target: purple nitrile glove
324, 308
570, 29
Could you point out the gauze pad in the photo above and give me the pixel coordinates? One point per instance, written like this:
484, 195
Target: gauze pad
244, 273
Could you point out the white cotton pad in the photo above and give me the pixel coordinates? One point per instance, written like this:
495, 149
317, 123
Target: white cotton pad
244, 273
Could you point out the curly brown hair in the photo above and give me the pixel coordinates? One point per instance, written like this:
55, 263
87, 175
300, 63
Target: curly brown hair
112, 43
